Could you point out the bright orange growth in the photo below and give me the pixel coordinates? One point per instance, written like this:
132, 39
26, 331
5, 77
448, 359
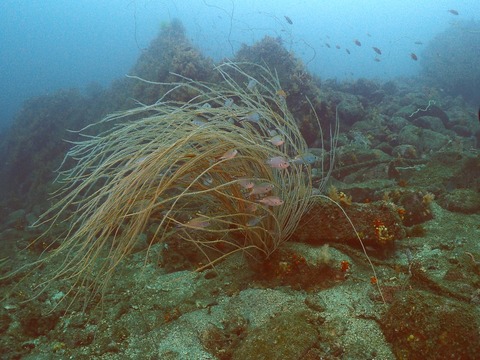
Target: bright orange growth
344, 266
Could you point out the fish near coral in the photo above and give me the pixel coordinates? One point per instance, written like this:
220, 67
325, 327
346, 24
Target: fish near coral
255, 221
197, 223
253, 117
228, 103
272, 132
207, 180
246, 183
251, 207
230, 154
278, 162
305, 158
251, 84
140, 160
271, 201
277, 140
261, 189
199, 121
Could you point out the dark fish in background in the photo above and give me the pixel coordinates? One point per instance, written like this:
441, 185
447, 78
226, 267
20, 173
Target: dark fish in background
418, 43
348, 51
414, 56
454, 12
327, 45
377, 50
376, 59
288, 19
358, 43
338, 47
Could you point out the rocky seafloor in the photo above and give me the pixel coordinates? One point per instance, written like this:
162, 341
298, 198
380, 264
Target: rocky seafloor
410, 184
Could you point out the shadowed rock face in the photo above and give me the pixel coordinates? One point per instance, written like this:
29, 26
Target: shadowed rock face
450, 61
378, 225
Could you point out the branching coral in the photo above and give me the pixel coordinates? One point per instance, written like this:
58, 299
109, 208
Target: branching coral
191, 169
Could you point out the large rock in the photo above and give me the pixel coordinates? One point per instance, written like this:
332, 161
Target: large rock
377, 224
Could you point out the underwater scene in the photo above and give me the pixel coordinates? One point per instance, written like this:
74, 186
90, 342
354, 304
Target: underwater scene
283, 191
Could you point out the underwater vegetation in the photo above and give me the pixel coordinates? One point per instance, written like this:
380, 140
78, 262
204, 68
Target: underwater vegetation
227, 171
450, 61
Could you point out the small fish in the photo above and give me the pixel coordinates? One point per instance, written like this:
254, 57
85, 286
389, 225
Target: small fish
452, 11
207, 180
281, 93
272, 132
418, 43
255, 221
228, 103
277, 140
278, 162
230, 154
271, 201
288, 19
338, 47
251, 207
348, 51
140, 160
198, 223
206, 106
246, 183
377, 50
414, 56
305, 158
358, 43
327, 45
253, 117
199, 121
261, 189
376, 59
251, 84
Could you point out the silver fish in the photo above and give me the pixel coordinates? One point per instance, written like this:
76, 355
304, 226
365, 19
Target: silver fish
261, 189
251, 84
252, 117
228, 103
305, 158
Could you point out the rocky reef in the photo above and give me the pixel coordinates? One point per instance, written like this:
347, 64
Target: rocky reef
450, 61
403, 182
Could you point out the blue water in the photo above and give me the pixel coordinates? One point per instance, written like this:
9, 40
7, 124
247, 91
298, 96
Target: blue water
50, 44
